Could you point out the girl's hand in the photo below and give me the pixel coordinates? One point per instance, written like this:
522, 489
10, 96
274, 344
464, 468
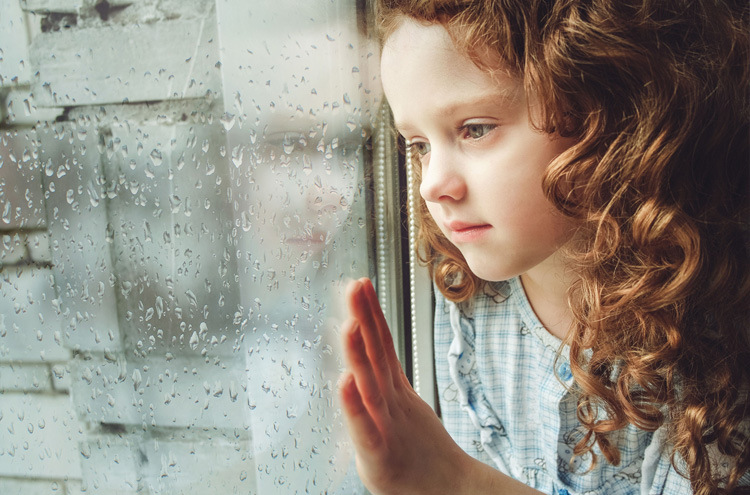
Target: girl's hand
401, 445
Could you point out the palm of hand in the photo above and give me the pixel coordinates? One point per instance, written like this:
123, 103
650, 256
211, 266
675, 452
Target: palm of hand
401, 445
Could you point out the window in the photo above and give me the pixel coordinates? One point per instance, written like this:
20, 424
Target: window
185, 187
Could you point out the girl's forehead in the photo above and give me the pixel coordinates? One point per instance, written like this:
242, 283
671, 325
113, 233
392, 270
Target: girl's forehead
413, 34
412, 38
425, 76
429, 50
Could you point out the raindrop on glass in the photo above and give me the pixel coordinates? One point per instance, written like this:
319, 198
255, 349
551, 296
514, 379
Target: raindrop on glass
156, 157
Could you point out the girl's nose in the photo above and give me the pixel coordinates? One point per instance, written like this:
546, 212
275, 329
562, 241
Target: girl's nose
441, 179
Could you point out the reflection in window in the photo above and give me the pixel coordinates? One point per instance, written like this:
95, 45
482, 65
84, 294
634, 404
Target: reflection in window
183, 192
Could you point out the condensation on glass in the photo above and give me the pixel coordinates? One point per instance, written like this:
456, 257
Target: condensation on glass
185, 189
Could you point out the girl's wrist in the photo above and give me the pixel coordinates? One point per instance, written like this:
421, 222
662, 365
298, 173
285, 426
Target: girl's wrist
481, 479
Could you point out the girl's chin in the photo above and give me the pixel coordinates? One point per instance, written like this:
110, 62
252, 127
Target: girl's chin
491, 272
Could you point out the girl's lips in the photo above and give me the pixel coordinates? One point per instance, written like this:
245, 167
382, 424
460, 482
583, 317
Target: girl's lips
463, 232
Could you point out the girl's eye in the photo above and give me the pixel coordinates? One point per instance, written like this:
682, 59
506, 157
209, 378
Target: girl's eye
420, 148
476, 131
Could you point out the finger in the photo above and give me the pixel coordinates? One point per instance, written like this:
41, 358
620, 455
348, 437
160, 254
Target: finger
386, 337
359, 364
365, 313
362, 429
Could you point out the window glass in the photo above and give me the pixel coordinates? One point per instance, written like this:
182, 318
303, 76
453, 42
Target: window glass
185, 189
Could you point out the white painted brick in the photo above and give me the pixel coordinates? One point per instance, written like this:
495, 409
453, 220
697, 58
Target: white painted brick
12, 249
21, 195
216, 465
110, 465
37, 244
77, 213
14, 49
30, 487
76, 487
67, 6
152, 11
39, 437
20, 108
60, 6
30, 326
61, 377
25, 377
143, 62
25, 246
132, 464
171, 392
167, 213
100, 392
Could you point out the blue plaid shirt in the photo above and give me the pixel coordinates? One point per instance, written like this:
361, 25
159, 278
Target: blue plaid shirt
504, 398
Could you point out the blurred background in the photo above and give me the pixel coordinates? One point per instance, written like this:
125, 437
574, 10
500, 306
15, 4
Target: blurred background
185, 189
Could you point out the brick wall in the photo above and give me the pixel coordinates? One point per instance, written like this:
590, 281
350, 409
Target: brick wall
136, 351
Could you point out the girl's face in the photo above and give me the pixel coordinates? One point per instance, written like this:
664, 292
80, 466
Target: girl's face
482, 163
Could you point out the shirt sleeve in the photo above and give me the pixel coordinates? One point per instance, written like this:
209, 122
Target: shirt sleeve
659, 477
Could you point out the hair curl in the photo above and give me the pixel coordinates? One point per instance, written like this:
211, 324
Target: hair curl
656, 95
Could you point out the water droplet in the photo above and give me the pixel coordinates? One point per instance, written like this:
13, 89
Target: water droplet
306, 164
228, 120
159, 306
93, 194
175, 203
237, 153
194, 341
136, 379
126, 287
6, 212
156, 157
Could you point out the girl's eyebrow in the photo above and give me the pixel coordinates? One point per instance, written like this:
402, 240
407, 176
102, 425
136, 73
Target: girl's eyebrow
493, 100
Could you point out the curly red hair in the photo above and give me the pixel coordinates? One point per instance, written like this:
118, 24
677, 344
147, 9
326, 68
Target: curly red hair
656, 95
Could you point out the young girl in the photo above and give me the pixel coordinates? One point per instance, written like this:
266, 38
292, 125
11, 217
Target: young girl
583, 167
